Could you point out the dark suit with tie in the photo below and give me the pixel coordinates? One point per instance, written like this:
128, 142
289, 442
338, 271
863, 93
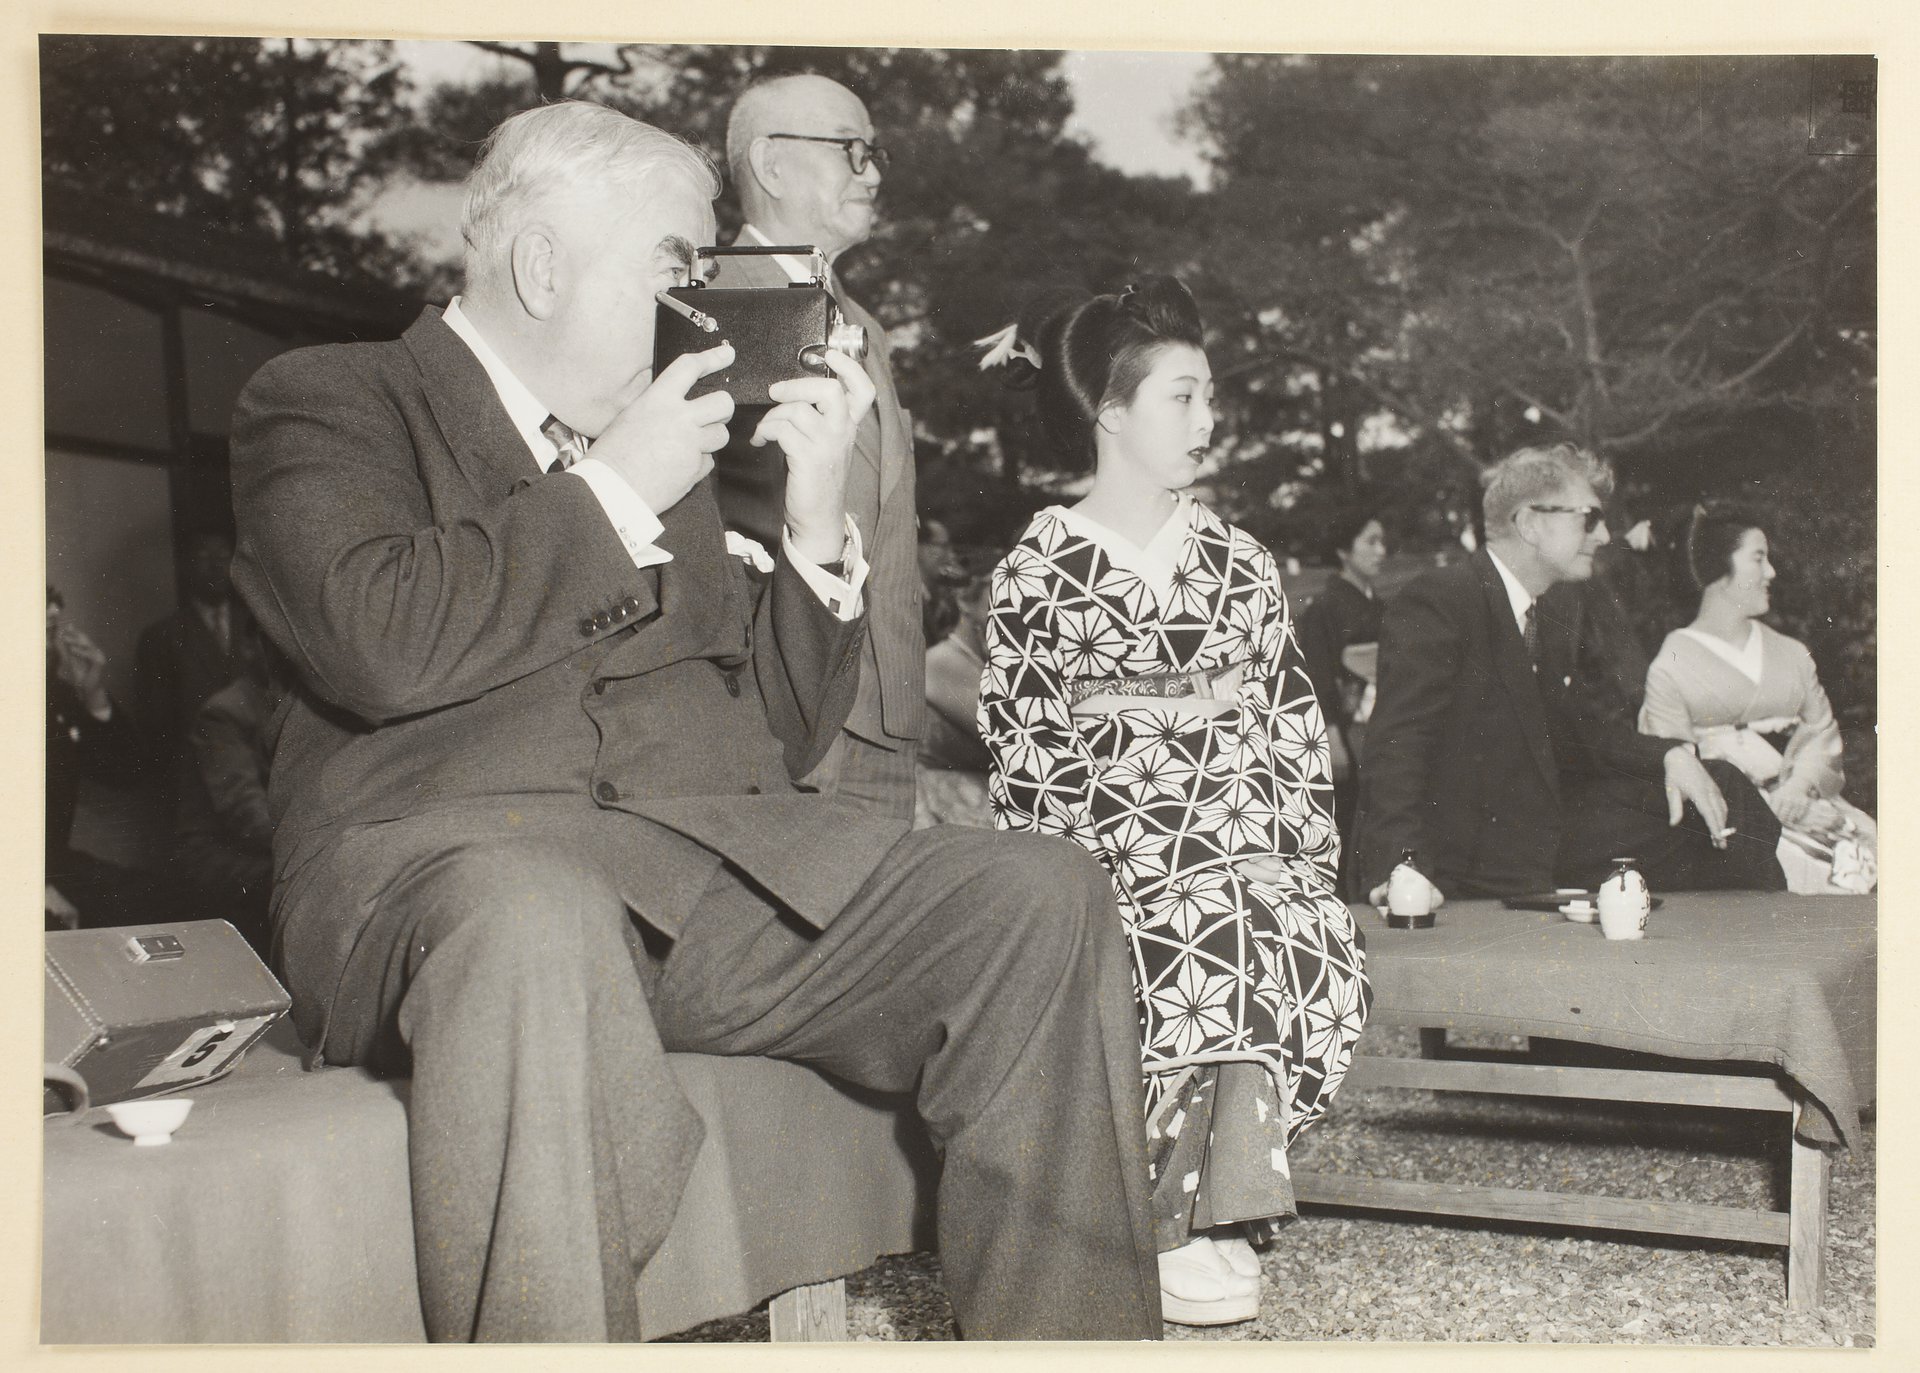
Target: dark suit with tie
507, 739
1504, 778
889, 708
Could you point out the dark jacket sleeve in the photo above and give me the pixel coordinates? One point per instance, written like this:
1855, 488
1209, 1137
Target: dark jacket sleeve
807, 663
387, 606
1595, 679
1422, 644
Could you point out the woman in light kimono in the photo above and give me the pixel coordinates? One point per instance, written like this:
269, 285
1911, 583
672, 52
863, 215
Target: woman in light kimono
1144, 695
1744, 692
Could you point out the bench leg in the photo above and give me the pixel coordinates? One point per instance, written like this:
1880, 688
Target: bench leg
1807, 1227
817, 1311
1433, 1044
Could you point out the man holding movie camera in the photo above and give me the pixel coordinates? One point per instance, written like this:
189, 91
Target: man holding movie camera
535, 812
806, 169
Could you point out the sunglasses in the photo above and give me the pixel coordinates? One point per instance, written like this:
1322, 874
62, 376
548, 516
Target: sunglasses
859, 152
1594, 515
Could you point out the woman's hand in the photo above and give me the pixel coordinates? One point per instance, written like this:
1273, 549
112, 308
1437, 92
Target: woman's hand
1265, 868
1791, 803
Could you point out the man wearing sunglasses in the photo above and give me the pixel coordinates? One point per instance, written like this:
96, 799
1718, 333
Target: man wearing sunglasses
1503, 748
804, 163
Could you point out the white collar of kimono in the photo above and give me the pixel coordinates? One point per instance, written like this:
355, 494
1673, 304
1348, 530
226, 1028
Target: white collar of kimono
1155, 564
1747, 660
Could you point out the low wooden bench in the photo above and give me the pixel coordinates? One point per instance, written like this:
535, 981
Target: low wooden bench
1743, 1000
281, 1211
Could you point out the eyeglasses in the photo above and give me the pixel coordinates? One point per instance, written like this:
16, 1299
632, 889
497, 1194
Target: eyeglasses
859, 152
1595, 515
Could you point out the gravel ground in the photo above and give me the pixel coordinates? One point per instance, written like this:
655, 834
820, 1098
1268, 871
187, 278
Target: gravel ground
1352, 1275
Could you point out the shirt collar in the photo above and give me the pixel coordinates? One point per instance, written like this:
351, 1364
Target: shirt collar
1517, 595
523, 408
797, 269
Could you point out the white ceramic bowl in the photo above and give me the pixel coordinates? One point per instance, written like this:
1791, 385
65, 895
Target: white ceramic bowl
151, 1122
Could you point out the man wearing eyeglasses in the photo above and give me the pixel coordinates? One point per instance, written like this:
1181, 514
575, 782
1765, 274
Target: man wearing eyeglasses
1503, 748
802, 156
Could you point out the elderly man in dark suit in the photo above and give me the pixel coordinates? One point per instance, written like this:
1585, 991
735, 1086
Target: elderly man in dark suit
1503, 747
535, 815
804, 164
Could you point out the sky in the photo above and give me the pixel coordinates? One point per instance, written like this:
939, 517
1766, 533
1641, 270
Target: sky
1123, 105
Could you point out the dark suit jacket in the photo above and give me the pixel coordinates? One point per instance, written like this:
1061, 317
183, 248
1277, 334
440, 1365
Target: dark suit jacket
472, 638
1471, 753
891, 704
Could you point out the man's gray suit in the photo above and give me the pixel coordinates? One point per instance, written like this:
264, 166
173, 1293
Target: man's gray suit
506, 738
889, 709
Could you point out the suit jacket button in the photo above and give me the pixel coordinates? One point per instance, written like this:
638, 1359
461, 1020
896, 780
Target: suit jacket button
607, 792
602, 620
631, 606
586, 626
733, 684
599, 686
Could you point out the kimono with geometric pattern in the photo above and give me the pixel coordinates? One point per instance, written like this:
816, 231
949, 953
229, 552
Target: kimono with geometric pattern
1226, 968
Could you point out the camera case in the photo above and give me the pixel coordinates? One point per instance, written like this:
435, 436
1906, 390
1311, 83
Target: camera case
778, 333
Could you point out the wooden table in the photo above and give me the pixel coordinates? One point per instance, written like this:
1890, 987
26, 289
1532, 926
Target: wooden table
1722, 978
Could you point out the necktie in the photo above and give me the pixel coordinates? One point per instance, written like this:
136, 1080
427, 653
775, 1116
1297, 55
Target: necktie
1530, 631
569, 445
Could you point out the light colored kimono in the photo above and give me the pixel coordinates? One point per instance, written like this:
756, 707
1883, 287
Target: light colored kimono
1729, 701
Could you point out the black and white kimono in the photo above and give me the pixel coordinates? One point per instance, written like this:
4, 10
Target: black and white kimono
1104, 666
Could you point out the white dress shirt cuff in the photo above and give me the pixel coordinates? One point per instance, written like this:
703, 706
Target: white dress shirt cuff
636, 525
841, 595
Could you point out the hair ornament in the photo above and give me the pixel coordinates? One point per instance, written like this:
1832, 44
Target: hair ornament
1005, 345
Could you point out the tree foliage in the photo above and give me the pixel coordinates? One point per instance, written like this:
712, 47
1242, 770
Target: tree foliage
1638, 255
264, 137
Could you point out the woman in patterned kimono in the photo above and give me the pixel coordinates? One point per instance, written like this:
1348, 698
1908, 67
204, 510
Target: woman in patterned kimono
1742, 691
1144, 695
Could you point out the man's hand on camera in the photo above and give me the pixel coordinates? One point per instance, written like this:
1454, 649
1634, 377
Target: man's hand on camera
813, 420
663, 443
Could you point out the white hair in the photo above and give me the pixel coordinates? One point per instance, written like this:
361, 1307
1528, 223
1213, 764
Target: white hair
1532, 474
748, 120
530, 159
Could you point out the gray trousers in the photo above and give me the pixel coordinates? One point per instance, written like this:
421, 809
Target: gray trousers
985, 974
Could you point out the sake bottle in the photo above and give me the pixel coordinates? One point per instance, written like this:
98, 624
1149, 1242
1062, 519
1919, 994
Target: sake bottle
1624, 902
1409, 896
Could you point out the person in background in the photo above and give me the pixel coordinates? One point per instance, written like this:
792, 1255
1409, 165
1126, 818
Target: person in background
941, 576
953, 759
1503, 749
88, 737
185, 657
805, 166
1340, 637
223, 828
1144, 697
1746, 693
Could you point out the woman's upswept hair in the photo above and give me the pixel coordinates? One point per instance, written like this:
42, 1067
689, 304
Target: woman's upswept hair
1709, 535
1097, 352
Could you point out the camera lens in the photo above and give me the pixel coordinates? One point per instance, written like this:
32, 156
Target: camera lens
847, 337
